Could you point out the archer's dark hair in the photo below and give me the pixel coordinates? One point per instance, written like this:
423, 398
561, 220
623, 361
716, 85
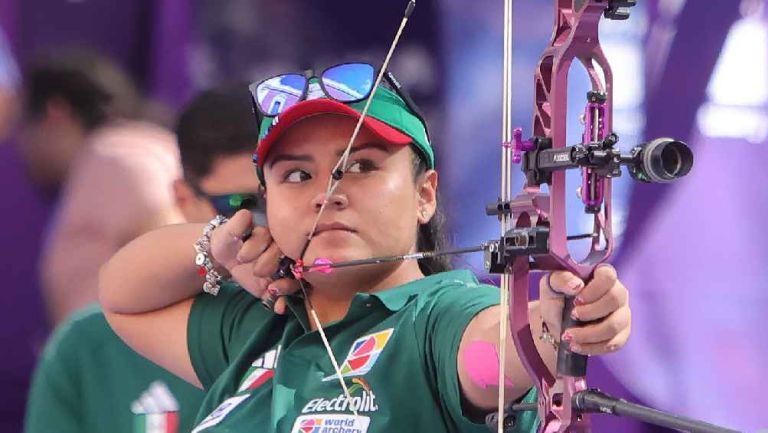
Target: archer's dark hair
218, 122
94, 87
430, 236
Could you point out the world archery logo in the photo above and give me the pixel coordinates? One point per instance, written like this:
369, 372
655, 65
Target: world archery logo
363, 354
312, 425
261, 371
331, 423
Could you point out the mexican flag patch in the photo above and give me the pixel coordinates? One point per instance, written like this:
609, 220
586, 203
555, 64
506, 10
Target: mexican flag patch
156, 410
166, 422
260, 371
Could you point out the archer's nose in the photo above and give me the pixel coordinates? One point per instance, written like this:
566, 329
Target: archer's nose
335, 200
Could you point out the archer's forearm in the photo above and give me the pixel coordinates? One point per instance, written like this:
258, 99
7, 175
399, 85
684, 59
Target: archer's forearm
152, 272
479, 351
545, 349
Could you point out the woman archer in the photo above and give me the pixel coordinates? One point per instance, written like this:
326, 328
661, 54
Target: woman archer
416, 343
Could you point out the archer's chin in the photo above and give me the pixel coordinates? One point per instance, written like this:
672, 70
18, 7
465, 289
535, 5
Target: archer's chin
334, 251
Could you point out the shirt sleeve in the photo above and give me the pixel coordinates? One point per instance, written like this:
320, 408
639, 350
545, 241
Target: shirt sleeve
55, 393
219, 327
441, 323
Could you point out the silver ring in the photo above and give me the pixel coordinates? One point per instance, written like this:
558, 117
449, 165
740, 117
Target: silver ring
269, 302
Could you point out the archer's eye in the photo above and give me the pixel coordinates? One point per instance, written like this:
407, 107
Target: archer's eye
296, 176
361, 166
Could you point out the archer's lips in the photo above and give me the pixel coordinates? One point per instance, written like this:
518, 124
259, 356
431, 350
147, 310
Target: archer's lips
335, 226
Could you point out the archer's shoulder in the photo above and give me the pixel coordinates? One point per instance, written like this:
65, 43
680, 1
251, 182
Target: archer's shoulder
456, 288
458, 280
424, 294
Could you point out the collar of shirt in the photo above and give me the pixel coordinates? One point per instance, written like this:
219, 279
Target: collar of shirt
397, 297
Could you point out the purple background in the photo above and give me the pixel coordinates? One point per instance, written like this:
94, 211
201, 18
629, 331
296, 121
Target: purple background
692, 253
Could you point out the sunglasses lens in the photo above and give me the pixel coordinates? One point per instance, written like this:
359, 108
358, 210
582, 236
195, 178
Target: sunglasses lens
349, 82
229, 204
223, 205
276, 94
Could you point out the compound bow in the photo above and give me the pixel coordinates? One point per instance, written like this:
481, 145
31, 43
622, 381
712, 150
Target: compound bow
533, 223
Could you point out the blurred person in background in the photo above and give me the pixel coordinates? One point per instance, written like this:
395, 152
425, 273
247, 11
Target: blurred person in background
9, 76
81, 137
22, 216
217, 136
88, 380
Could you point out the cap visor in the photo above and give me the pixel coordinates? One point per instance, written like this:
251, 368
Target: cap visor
314, 107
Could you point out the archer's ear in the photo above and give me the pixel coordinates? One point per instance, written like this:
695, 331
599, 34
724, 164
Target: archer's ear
427, 190
184, 195
192, 206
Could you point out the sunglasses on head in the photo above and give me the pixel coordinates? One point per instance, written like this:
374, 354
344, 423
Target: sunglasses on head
345, 82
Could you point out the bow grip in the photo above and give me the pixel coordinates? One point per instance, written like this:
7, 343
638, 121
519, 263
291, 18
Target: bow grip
569, 363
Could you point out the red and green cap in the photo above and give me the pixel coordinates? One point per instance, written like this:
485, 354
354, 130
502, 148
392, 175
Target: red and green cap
388, 117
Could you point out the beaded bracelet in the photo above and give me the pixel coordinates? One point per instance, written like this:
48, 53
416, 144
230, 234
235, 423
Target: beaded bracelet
203, 260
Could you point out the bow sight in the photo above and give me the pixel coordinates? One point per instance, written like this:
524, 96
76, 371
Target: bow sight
662, 160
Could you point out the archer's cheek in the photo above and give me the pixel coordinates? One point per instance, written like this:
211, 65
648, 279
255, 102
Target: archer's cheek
285, 235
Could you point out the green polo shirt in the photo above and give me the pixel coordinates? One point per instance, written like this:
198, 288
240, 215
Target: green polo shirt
88, 381
396, 350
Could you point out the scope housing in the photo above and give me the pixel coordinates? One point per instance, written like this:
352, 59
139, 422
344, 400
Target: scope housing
662, 160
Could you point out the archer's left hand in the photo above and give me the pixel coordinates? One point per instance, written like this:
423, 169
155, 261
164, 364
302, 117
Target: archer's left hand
603, 301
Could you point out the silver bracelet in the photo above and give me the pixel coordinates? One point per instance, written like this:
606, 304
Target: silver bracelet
213, 278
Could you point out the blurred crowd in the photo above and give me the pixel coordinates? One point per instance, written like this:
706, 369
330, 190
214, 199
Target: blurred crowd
108, 171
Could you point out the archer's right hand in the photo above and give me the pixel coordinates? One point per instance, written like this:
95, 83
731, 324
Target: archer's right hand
252, 262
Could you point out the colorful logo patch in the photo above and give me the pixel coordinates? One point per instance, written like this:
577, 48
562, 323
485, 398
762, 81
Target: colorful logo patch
261, 371
363, 354
331, 423
312, 425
